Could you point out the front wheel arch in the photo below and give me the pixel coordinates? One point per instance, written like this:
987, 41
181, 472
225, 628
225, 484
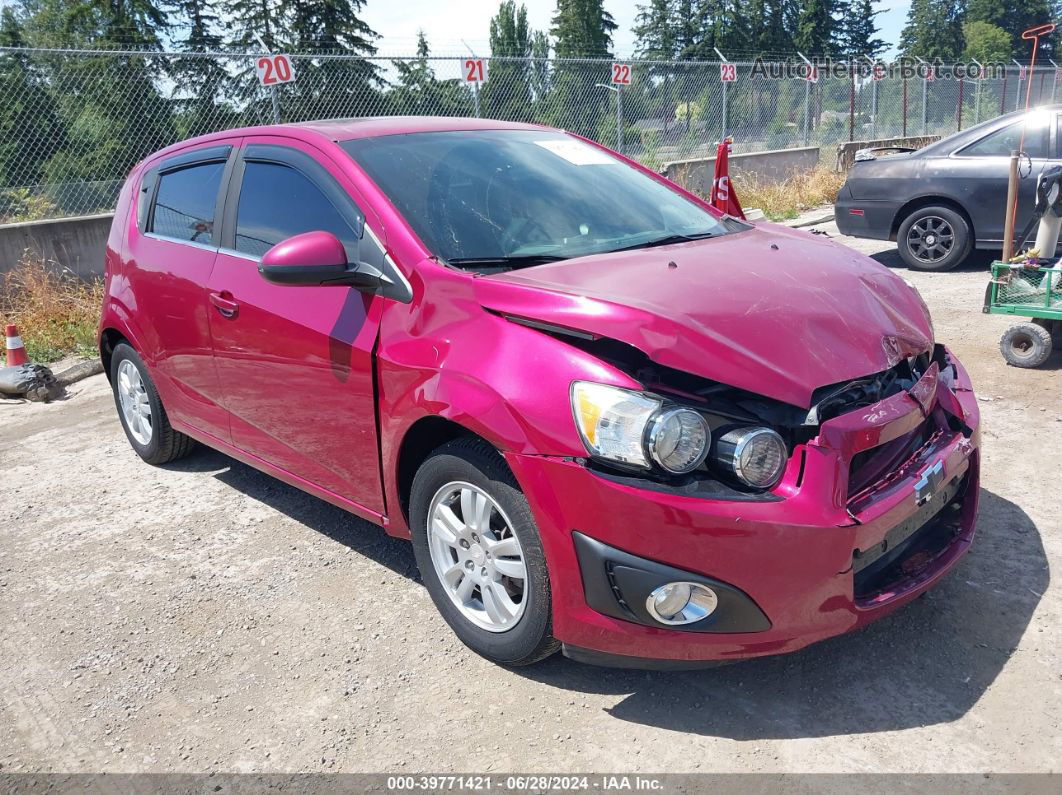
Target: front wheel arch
420, 440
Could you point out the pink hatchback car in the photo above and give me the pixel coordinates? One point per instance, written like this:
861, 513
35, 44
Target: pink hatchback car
611, 420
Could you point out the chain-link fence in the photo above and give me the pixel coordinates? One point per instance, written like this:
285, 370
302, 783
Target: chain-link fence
73, 122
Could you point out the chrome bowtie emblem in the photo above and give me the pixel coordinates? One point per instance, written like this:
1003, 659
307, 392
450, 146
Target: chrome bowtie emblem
928, 484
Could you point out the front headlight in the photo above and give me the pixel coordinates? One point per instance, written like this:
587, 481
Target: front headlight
755, 456
637, 429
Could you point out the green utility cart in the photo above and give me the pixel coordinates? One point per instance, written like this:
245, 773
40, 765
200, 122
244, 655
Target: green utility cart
1032, 291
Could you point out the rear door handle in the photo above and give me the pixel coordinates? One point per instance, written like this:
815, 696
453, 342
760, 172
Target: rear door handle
224, 303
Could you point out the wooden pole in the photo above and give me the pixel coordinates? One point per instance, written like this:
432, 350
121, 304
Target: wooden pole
1012, 200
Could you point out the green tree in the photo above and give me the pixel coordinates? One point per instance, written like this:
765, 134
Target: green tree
581, 29
689, 23
507, 92
933, 30
200, 113
247, 20
1015, 16
327, 87
856, 30
29, 123
134, 24
773, 34
814, 33
541, 76
985, 42
418, 92
654, 29
110, 105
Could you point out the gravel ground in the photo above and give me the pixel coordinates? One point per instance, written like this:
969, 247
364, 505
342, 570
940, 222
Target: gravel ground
203, 616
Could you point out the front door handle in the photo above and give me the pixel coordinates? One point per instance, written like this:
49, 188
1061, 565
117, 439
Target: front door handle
224, 303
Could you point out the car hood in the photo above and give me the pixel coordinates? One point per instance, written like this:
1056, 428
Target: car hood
775, 311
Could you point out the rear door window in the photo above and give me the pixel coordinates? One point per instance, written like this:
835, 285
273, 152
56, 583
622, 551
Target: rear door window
278, 202
1002, 142
185, 202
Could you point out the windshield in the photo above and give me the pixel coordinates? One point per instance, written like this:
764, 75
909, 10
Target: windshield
524, 195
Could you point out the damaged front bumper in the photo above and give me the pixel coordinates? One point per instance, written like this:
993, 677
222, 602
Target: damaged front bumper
871, 513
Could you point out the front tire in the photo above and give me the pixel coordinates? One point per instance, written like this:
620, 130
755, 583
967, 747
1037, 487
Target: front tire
934, 238
140, 409
479, 553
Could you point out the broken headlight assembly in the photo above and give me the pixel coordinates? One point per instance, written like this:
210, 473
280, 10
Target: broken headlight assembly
644, 431
754, 456
638, 429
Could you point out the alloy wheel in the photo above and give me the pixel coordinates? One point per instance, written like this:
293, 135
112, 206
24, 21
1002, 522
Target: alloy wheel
931, 238
133, 398
477, 556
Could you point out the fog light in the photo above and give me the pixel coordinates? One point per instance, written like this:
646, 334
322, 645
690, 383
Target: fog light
681, 603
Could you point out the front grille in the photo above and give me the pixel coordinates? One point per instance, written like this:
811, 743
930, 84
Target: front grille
908, 551
879, 465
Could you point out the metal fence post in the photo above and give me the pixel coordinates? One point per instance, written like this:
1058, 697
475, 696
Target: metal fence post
1017, 94
807, 100
726, 104
925, 93
873, 99
977, 96
1054, 82
904, 107
274, 98
807, 112
925, 116
619, 119
851, 100
958, 125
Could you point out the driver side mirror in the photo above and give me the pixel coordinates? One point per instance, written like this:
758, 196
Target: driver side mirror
317, 259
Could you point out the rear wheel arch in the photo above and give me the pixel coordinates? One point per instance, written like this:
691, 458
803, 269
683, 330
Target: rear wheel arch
930, 201
110, 338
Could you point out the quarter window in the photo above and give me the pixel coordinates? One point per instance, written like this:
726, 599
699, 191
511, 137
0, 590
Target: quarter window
184, 203
277, 202
1003, 142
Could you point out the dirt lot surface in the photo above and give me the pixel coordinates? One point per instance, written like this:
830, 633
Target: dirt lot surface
204, 616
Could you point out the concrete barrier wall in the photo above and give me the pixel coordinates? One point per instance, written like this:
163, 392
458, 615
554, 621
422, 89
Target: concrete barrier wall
76, 244
772, 166
846, 152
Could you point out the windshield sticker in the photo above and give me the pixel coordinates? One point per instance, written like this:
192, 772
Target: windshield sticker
577, 152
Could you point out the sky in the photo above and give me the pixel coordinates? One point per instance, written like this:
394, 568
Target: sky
451, 25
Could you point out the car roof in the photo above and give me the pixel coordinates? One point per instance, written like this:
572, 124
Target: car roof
957, 140
373, 126
353, 128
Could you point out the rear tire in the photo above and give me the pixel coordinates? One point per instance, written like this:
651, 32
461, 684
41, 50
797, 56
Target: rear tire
463, 487
1026, 345
140, 409
934, 238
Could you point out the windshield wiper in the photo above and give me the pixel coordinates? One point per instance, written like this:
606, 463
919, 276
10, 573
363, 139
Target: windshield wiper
515, 262
667, 240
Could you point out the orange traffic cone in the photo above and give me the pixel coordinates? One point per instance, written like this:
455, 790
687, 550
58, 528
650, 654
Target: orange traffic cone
16, 351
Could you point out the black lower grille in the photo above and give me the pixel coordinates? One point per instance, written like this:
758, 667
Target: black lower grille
911, 547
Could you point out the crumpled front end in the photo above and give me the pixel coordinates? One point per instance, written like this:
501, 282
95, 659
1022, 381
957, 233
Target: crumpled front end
873, 509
